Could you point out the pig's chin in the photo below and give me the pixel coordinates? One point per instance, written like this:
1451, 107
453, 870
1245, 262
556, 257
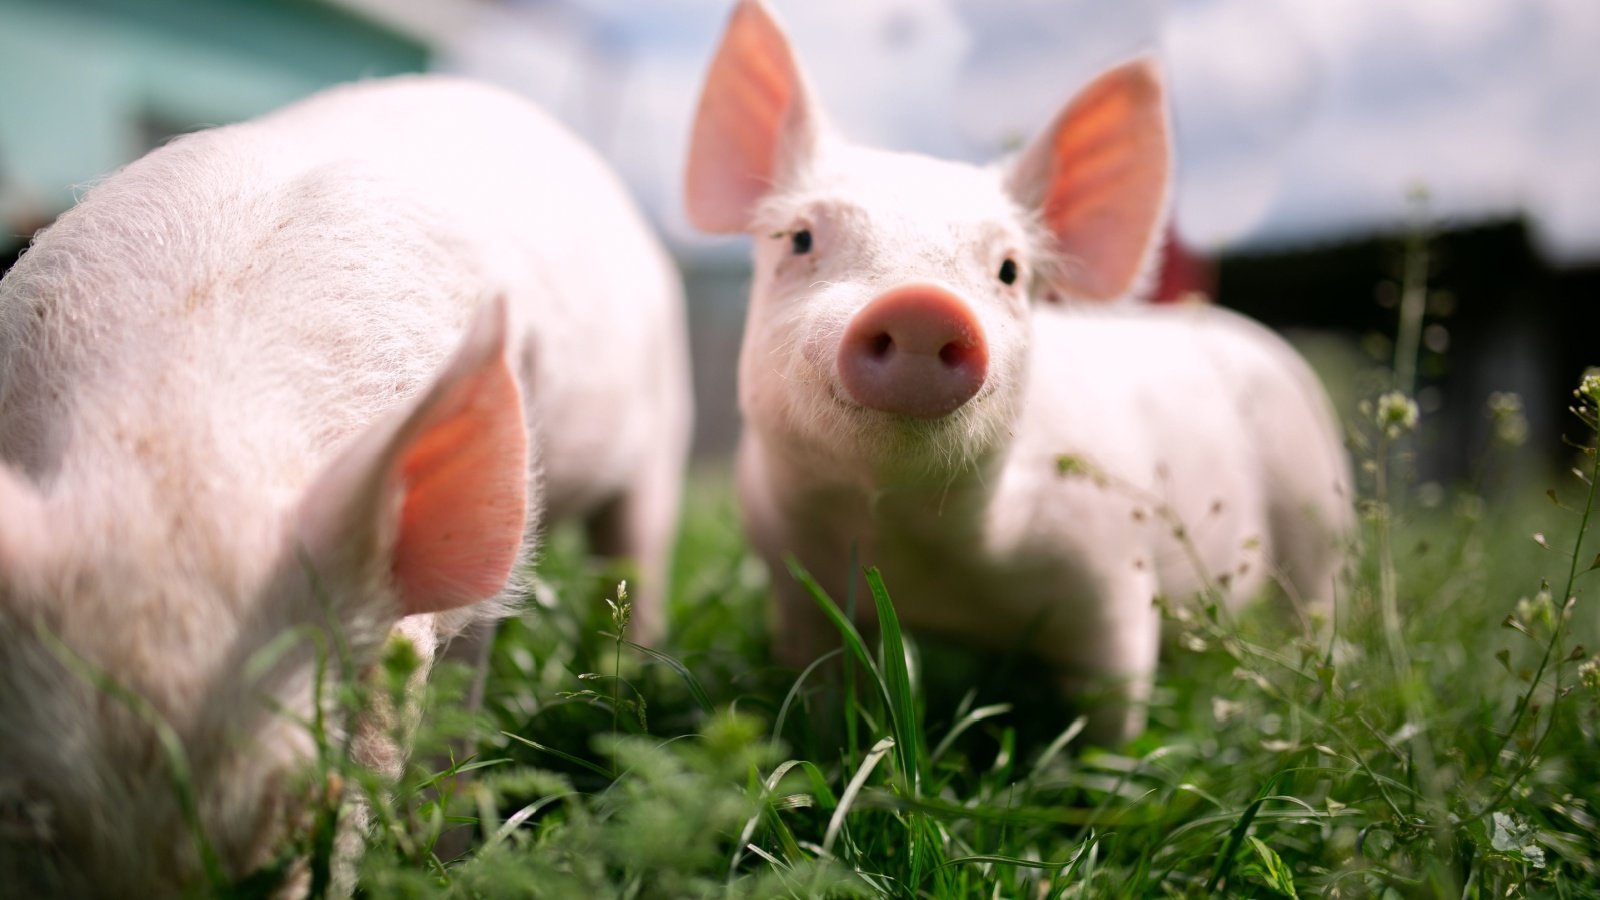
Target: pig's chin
897, 446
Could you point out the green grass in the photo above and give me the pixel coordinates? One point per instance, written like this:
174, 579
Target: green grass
1439, 740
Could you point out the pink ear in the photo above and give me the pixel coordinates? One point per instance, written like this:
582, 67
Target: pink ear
442, 489
754, 123
1098, 177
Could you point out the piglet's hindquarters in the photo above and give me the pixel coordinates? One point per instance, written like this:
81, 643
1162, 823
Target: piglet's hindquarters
320, 372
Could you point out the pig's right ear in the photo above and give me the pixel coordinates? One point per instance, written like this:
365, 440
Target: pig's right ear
433, 500
755, 124
1097, 178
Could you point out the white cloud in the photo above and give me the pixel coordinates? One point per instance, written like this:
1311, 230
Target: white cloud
1492, 106
885, 69
1029, 56
1244, 82
1293, 117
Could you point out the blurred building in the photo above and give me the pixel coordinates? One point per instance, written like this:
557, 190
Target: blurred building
88, 85
1500, 317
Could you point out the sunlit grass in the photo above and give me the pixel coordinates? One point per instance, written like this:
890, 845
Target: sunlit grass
1437, 738
1446, 748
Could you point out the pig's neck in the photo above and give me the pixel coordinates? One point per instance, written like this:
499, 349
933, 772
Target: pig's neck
863, 505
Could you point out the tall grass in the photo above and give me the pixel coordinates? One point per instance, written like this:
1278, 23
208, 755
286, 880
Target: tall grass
1437, 739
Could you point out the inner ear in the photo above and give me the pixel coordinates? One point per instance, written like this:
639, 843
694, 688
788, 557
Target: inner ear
1098, 180
755, 124
438, 493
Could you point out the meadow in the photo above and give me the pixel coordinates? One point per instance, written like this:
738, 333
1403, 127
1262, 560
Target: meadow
1437, 738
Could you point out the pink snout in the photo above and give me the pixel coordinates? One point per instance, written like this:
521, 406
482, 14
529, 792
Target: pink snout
915, 351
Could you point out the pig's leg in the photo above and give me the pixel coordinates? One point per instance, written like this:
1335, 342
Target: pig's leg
1306, 474
1113, 667
801, 632
469, 648
640, 524
779, 528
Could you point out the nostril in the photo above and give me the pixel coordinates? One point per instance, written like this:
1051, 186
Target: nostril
954, 355
880, 345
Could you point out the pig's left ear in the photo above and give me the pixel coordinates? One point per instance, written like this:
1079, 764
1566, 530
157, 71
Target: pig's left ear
434, 499
755, 124
1098, 178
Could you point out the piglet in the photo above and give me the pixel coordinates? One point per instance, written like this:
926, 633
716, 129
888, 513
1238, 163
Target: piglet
926, 378
306, 382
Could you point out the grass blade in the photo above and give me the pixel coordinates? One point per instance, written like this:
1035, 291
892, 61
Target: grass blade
994, 814
819, 785
521, 816
1277, 875
1002, 860
1236, 837
897, 680
1060, 743
794, 690
853, 789
852, 745
847, 629
701, 698
967, 721
575, 760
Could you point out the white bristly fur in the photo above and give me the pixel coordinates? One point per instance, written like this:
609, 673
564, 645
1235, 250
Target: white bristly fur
1191, 416
976, 532
184, 351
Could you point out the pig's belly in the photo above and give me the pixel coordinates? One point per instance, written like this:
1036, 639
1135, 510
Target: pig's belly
1055, 593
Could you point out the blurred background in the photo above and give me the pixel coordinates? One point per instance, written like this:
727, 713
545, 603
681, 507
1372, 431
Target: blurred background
1321, 145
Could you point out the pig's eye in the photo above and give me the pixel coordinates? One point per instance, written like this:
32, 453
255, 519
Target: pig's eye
801, 242
1008, 271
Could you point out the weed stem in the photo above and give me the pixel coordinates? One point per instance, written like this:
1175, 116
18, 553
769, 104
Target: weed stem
1525, 702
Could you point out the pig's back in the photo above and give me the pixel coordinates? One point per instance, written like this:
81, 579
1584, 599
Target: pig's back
282, 281
559, 233
1202, 409
1178, 374
556, 230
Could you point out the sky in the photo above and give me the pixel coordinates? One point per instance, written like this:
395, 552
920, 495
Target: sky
1295, 120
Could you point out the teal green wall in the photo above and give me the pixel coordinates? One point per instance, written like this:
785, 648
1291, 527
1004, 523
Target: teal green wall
82, 82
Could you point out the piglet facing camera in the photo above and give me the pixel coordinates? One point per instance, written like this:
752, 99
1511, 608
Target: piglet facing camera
927, 340
310, 381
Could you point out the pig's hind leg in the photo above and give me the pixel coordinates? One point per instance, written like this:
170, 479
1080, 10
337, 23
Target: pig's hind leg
1107, 664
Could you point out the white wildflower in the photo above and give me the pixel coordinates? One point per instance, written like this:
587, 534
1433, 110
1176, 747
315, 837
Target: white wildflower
1510, 424
1589, 674
1589, 387
1396, 414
